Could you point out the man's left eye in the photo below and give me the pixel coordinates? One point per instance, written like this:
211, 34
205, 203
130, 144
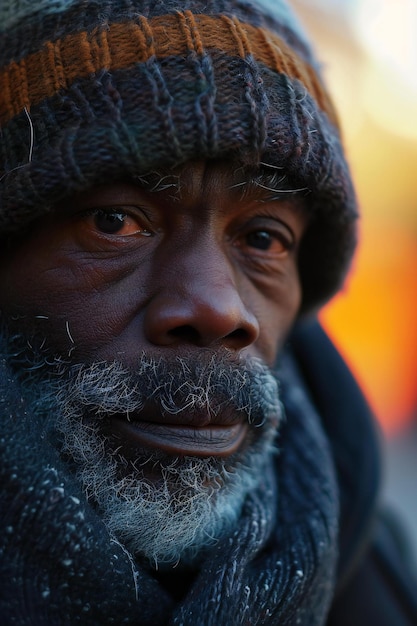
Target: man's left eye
259, 239
264, 240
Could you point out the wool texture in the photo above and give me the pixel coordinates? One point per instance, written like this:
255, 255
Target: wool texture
59, 565
98, 91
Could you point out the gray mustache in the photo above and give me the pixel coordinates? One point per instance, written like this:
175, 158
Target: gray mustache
211, 384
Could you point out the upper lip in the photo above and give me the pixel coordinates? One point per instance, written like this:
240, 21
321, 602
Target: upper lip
187, 417
180, 439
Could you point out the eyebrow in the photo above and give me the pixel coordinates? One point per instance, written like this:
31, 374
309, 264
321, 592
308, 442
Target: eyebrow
156, 181
273, 180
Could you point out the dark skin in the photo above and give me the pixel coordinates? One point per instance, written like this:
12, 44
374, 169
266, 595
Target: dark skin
121, 269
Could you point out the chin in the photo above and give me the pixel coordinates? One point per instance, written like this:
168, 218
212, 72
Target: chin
166, 507
165, 510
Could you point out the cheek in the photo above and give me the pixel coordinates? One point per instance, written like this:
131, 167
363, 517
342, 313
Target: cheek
77, 303
277, 311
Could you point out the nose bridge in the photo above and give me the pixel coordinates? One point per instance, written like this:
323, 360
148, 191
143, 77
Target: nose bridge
197, 297
203, 267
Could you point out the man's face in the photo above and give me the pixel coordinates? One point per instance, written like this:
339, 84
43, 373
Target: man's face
183, 281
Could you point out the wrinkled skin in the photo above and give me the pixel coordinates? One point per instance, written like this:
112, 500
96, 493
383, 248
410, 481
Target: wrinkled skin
123, 269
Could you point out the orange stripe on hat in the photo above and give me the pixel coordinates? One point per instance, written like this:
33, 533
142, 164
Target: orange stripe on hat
122, 45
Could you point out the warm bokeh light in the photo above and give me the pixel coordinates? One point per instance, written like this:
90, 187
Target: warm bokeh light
374, 321
387, 32
369, 49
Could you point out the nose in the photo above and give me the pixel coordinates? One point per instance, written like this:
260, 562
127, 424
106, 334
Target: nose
199, 304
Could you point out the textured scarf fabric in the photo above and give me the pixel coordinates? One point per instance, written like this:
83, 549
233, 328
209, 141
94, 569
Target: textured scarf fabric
58, 564
278, 568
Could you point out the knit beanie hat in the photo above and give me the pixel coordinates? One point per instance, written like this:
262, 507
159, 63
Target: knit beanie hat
98, 90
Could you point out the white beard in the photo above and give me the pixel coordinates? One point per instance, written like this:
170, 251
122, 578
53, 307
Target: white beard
172, 519
165, 509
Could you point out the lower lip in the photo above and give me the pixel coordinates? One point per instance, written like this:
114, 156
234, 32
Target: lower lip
178, 440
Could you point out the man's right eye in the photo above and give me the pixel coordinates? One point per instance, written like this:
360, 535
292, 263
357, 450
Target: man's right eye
115, 221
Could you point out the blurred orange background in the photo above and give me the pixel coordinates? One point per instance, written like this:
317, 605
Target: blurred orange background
369, 54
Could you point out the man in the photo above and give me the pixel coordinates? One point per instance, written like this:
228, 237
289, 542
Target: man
174, 198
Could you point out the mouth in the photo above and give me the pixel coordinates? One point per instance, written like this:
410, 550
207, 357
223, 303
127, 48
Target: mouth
180, 439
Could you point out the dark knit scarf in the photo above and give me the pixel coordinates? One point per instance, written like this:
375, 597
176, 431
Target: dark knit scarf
58, 564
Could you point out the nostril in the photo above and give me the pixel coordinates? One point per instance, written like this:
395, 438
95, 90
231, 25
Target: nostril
186, 333
238, 335
200, 319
